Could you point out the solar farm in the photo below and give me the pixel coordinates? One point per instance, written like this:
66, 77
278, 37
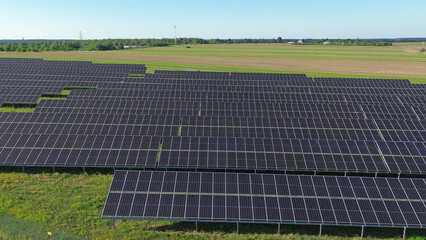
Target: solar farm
224, 147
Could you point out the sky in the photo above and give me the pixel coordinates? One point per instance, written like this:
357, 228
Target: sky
292, 19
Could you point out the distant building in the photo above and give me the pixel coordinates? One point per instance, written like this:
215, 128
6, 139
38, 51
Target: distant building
131, 46
300, 41
325, 43
290, 42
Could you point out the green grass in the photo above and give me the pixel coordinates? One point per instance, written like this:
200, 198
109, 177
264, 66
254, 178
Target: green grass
136, 75
285, 49
14, 109
73, 203
12, 228
302, 54
54, 96
69, 88
18, 107
354, 52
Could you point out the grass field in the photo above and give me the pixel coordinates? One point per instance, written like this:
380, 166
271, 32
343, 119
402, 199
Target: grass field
73, 202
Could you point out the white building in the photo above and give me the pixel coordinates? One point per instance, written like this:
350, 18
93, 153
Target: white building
130, 46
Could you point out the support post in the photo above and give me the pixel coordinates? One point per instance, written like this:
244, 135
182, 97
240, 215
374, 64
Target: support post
399, 175
362, 231
320, 232
84, 170
196, 226
23, 169
113, 224
155, 225
405, 231
238, 227
279, 228
375, 175
54, 170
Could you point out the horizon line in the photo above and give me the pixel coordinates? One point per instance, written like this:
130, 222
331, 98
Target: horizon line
53, 39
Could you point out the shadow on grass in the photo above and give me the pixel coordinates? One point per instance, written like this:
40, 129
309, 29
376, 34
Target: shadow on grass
306, 230
395, 233
244, 228
70, 170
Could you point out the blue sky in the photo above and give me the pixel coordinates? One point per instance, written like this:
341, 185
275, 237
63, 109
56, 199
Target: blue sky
60, 19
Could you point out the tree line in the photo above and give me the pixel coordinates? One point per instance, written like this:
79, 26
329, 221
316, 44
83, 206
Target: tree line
117, 44
347, 42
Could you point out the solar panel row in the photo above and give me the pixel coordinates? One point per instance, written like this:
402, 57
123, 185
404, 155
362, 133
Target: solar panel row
273, 86
240, 197
131, 94
24, 81
77, 68
213, 121
235, 109
28, 149
41, 78
295, 83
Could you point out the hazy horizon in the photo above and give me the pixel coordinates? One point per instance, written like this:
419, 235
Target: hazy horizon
49, 19
75, 39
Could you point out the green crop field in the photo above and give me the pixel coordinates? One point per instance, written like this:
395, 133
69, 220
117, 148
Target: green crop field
284, 51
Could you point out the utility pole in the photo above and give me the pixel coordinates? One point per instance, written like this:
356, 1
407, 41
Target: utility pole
175, 34
81, 40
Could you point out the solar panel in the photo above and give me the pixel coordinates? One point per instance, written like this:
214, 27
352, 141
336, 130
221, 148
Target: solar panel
288, 154
266, 198
78, 150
